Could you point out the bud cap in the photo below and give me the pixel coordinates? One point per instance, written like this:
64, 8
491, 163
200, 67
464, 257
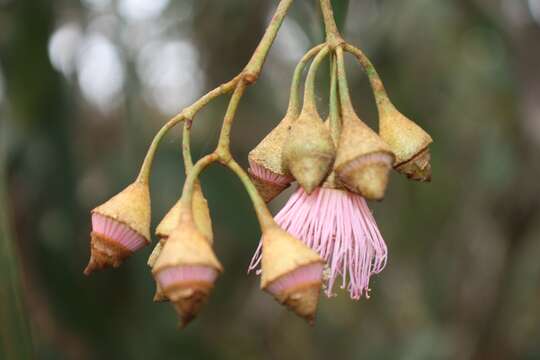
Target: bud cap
405, 138
309, 150
363, 159
268, 153
283, 259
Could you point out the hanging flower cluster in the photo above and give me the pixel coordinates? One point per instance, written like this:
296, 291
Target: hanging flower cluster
324, 234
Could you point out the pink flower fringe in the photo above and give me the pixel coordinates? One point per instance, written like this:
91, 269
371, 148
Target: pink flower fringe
118, 232
185, 274
304, 275
340, 227
263, 173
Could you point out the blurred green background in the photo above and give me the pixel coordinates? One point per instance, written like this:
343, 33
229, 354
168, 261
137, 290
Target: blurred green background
85, 84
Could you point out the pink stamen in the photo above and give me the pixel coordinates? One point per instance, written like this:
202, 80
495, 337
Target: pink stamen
307, 274
118, 232
186, 274
340, 227
263, 173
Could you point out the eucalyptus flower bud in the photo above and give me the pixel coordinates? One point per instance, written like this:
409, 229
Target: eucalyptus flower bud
409, 142
201, 216
309, 150
266, 164
120, 227
291, 272
187, 268
363, 159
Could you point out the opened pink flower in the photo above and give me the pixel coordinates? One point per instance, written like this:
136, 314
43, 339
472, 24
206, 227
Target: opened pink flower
340, 227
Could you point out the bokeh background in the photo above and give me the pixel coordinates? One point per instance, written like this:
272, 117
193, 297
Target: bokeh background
85, 84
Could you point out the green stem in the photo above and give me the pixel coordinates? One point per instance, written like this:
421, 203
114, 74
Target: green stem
144, 173
309, 94
223, 147
335, 118
186, 147
193, 176
263, 214
294, 99
188, 113
345, 98
248, 76
375, 81
333, 37
253, 68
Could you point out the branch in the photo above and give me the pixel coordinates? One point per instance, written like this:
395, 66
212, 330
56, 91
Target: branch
249, 75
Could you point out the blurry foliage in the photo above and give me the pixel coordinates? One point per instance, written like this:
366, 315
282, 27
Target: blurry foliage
463, 281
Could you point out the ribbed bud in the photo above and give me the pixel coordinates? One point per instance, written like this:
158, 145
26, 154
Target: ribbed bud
309, 150
291, 272
363, 159
408, 141
186, 268
120, 227
266, 164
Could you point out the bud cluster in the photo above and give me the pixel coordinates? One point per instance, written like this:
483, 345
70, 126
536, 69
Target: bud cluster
325, 231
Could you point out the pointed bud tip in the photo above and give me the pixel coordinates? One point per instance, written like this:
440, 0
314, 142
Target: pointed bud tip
189, 304
105, 252
159, 296
304, 301
310, 171
299, 289
418, 168
187, 287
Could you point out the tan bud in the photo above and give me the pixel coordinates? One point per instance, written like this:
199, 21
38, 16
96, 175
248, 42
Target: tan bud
268, 153
120, 226
309, 150
363, 159
201, 216
267, 171
187, 247
131, 207
282, 256
407, 140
